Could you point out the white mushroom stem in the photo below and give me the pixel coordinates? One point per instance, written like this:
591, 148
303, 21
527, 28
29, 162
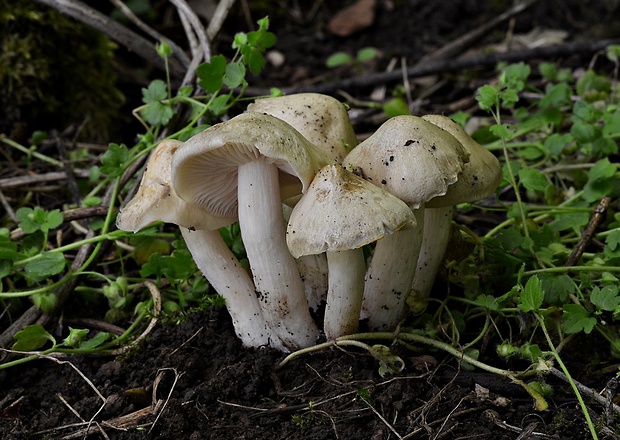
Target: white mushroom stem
345, 292
434, 244
276, 277
390, 275
219, 265
313, 271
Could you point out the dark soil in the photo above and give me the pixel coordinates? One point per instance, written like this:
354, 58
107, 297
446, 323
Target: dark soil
194, 380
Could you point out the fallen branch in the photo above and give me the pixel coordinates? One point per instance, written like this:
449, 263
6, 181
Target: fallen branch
449, 65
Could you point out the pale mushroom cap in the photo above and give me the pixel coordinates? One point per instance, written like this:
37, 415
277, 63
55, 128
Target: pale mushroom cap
341, 211
410, 158
156, 200
321, 119
204, 171
480, 176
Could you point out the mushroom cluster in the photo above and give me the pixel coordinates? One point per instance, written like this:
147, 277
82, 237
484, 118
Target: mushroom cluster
308, 198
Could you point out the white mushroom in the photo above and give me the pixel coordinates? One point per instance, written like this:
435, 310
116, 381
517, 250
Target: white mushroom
321, 119
245, 167
338, 214
415, 161
155, 201
479, 178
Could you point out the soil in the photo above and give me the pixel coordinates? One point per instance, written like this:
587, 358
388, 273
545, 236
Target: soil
194, 380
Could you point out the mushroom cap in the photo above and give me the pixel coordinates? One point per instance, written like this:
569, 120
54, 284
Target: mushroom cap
204, 171
341, 211
156, 200
410, 158
321, 119
480, 176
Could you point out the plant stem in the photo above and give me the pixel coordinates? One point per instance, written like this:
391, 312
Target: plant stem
541, 404
557, 357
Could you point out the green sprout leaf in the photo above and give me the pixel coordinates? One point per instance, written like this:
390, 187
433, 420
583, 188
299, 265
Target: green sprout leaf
95, 341
211, 74
577, 319
75, 337
45, 266
338, 59
533, 179
234, 76
113, 161
156, 112
38, 219
32, 337
532, 296
606, 298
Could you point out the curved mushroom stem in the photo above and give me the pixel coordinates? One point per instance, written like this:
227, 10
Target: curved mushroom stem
434, 243
218, 264
345, 293
390, 275
279, 286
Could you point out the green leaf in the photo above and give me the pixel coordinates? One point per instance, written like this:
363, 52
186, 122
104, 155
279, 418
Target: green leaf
557, 95
253, 58
556, 143
557, 288
44, 301
95, 341
156, 112
533, 179
113, 161
178, 266
155, 92
234, 76
211, 74
488, 97
366, 54
75, 337
8, 249
599, 182
576, 319
606, 298
47, 265
32, 337
532, 296
396, 107
487, 302
501, 131
613, 240
37, 219
261, 40
163, 49
338, 59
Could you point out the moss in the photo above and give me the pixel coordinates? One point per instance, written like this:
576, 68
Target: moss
54, 72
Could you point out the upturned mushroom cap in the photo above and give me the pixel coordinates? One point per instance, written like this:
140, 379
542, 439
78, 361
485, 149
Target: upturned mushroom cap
156, 200
341, 211
409, 157
480, 176
321, 119
204, 171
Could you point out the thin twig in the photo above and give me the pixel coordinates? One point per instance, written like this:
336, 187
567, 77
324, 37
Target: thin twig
151, 32
449, 65
588, 233
17, 181
115, 31
219, 15
185, 10
586, 391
